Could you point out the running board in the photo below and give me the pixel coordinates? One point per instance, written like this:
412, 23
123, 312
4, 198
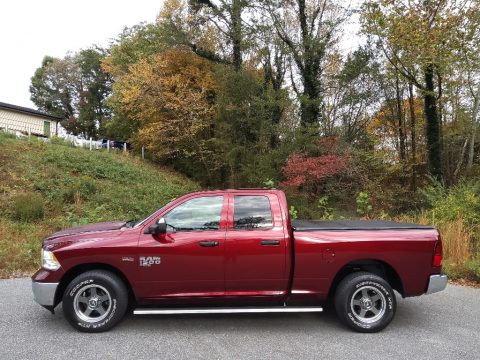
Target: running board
232, 310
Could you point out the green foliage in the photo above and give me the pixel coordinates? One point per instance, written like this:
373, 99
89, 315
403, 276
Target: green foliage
80, 188
28, 207
59, 141
364, 206
473, 265
323, 205
74, 88
293, 212
270, 183
459, 201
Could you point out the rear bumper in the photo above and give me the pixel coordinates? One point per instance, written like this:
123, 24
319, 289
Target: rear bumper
44, 293
437, 283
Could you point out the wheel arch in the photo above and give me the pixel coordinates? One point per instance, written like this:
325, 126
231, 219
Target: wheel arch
375, 266
79, 269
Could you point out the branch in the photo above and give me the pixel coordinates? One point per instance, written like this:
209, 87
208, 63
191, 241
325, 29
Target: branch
207, 54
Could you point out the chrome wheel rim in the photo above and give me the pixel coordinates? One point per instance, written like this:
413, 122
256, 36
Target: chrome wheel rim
368, 304
92, 303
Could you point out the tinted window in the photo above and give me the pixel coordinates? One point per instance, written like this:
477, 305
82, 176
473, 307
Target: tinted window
252, 212
198, 214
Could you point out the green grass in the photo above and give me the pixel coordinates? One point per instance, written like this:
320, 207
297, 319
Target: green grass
78, 186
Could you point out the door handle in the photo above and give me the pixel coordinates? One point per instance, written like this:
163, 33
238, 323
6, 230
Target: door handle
270, 242
208, 243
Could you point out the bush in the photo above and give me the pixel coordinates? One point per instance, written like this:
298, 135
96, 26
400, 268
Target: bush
459, 201
28, 207
81, 188
363, 204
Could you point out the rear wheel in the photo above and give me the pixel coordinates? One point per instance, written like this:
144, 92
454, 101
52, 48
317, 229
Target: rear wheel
95, 301
365, 302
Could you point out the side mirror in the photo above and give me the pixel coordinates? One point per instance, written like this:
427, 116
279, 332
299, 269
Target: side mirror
160, 227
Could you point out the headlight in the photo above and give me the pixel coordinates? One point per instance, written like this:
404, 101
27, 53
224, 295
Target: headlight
49, 261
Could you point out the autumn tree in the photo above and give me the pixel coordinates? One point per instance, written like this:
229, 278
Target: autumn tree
172, 97
418, 38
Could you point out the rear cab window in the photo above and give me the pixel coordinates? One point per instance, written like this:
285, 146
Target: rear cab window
252, 212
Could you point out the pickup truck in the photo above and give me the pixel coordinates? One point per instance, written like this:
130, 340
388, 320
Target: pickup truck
236, 251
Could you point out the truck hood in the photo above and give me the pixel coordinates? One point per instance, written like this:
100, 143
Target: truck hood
67, 235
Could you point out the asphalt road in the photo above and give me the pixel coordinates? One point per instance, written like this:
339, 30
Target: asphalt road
439, 326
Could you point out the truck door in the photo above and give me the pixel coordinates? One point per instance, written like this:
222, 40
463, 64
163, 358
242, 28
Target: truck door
189, 259
255, 251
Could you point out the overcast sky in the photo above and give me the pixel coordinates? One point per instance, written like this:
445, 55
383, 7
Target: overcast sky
31, 29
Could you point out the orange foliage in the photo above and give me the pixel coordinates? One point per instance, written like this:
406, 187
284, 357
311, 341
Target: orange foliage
171, 95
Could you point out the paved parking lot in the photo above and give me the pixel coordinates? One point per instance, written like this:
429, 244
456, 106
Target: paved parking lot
440, 326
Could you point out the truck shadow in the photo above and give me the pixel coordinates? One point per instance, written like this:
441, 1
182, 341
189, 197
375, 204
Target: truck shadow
409, 314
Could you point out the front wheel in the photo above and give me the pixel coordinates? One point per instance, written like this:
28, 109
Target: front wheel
365, 302
95, 301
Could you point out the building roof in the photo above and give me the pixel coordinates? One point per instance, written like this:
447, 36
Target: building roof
26, 110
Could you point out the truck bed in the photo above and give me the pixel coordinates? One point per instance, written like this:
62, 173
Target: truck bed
314, 225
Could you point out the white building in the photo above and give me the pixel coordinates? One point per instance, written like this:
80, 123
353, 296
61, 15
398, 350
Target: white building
27, 121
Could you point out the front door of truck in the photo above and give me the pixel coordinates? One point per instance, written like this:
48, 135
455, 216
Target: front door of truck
255, 251
187, 261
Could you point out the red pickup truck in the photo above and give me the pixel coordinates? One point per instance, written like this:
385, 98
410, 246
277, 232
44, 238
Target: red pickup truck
236, 251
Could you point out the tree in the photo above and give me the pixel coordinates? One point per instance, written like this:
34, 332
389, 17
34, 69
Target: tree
418, 38
171, 95
308, 29
227, 19
52, 88
351, 93
74, 88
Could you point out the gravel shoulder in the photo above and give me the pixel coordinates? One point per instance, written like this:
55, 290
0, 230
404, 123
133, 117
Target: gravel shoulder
439, 326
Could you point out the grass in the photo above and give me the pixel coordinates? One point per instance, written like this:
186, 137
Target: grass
77, 186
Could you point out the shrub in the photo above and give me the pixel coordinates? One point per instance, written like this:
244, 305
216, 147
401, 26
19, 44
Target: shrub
81, 188
459, 201
363, 204
327, 211
293, 213
473, 266
302, 170
28, 207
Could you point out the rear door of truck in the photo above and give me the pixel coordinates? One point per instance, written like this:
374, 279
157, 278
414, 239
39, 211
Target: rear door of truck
255, 246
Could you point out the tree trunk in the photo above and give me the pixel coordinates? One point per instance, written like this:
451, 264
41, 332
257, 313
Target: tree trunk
460, 160
236, 34
401, 134
471, 150
411, 103
434, 148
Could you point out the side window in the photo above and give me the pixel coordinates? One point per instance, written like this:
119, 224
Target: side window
252, 212
197, 214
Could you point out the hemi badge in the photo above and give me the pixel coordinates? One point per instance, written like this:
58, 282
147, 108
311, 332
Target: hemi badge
128, 258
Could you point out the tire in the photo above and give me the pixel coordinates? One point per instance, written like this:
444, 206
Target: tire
95, 301
365, 302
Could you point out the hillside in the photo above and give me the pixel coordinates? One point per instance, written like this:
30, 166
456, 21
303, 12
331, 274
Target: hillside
71, 186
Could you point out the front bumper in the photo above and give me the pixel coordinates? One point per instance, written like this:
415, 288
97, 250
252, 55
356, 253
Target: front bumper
44, 293
437, 283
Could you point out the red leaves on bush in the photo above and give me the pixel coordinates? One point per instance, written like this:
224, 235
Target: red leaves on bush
301, 168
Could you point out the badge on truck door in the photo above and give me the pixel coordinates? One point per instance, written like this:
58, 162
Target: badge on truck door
149, 260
